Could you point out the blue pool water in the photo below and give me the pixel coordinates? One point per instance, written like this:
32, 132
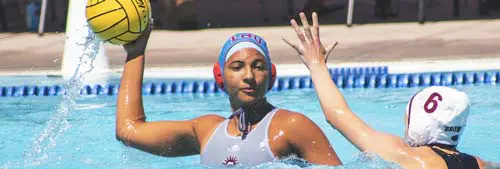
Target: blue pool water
34, 134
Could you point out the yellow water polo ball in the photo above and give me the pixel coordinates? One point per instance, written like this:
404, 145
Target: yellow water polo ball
118, 21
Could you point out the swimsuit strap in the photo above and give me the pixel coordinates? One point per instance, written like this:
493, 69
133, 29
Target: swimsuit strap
456, 160
243, 127
243, 122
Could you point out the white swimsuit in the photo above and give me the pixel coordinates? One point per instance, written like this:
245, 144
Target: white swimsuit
224, 149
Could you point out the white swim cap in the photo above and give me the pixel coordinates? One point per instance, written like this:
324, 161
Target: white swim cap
436, 115
243, 45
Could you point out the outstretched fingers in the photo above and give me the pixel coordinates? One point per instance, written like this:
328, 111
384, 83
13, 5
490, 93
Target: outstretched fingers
292, 45
299, 33
296, 47
307, 28
310, 48
329, 50
315, 30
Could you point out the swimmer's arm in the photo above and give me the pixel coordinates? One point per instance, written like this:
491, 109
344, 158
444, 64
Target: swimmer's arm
335, 108
129, 107
131, 126
309, 142
164, 138
340, 116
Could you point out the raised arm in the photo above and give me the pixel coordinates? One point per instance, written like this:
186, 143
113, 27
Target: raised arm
334, 106
165, 138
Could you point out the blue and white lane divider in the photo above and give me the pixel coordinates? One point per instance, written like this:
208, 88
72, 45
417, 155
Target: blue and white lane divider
353, 80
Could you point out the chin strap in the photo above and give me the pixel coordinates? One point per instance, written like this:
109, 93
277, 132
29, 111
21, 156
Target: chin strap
243, 127
257, 109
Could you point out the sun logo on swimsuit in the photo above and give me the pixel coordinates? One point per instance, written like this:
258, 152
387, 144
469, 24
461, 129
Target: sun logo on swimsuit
231, 160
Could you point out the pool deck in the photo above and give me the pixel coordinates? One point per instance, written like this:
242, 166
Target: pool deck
462, 41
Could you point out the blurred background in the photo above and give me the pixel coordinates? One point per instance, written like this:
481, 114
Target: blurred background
24, 15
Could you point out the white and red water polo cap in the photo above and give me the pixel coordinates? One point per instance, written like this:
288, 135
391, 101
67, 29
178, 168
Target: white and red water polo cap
437, 115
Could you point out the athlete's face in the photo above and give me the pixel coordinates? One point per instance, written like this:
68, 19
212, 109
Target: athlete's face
246, 76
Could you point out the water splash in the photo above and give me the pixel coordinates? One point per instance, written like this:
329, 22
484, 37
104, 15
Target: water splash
370, 161
360, 161
39, 152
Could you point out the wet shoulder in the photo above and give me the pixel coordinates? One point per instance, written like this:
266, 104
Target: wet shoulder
207, 121
290, 119
285, 126
205, 125
424, 157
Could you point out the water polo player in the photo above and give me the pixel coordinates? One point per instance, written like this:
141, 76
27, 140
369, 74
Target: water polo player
255, 133
435, 116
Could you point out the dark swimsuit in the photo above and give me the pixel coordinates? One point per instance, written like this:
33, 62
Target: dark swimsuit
456, 161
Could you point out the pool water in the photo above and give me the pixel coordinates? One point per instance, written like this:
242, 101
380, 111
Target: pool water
34, 133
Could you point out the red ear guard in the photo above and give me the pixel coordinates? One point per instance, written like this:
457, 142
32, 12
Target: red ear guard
218, 76
273, 77
220, 82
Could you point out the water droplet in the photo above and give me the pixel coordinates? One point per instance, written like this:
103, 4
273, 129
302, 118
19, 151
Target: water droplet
234, 148
263, 144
